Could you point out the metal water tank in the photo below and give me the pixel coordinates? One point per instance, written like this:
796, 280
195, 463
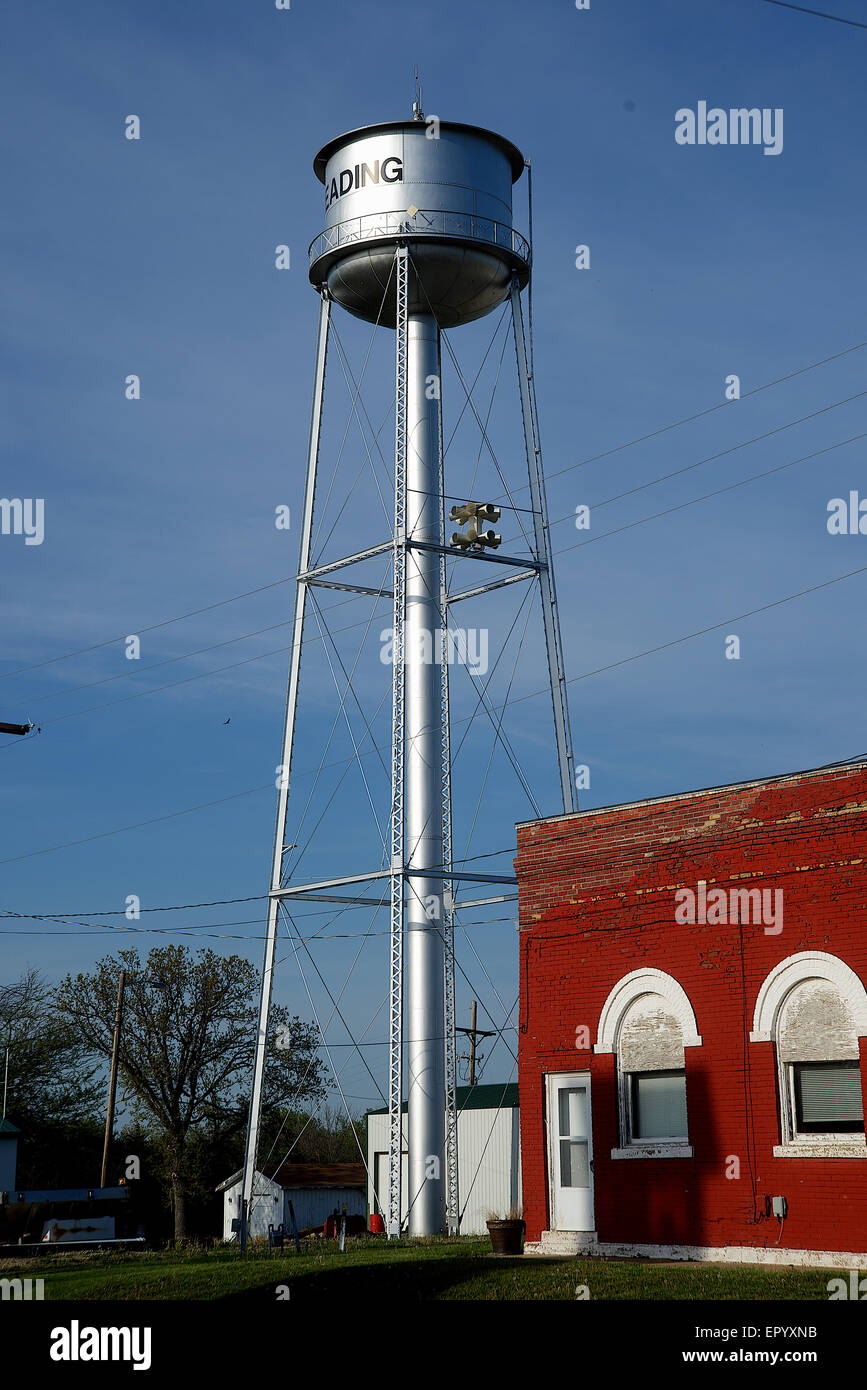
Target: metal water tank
443, 188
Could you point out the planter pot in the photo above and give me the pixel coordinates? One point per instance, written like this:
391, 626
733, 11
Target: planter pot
507, 1237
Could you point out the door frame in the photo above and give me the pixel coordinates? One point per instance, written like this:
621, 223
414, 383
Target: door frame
553, 1080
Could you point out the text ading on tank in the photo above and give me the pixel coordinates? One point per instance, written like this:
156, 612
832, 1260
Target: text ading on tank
388, 170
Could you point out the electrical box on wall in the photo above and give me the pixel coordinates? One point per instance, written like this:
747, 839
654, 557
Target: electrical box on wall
777, 1206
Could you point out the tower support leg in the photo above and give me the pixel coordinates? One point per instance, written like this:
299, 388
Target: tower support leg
255, 1115
553, 642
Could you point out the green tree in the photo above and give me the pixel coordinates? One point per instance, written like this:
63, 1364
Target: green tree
186, 1048
54, 1089
50, 1074
301, 1137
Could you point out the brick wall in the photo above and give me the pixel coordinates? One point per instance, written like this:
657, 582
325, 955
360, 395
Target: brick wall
597, 902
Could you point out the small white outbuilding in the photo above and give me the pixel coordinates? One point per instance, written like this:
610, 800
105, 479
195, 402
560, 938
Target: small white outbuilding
489, 1155
316, 1190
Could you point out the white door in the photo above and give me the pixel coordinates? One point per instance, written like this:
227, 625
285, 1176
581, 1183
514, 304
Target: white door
570, 1151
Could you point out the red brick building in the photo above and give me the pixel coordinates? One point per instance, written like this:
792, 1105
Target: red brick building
693, 1023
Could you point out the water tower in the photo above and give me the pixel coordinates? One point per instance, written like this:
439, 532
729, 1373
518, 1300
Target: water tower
418, 237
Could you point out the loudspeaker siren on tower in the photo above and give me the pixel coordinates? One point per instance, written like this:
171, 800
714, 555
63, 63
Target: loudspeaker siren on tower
475, 513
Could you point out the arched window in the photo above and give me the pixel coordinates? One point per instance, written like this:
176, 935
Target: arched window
647, 1021
813, 1007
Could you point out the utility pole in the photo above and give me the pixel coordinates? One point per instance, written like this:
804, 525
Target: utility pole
5, 1082
112, 1084
15, 728
473, 1032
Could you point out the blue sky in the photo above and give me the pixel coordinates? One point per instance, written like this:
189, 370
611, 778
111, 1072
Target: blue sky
156, 257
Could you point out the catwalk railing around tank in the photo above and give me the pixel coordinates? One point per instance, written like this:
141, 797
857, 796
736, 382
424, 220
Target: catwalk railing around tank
462, 226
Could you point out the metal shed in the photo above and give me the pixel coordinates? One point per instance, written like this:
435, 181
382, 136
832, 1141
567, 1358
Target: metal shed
314, 1189
489, 1155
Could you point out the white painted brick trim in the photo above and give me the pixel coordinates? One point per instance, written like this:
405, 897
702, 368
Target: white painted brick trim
581, 1243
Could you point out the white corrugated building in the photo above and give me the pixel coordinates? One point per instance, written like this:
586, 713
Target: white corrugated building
489, 1155
315, 1190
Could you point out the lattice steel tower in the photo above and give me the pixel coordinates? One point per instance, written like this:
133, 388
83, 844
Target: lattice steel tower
419, 238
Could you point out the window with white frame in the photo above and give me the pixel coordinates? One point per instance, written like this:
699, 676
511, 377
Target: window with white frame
813, 1008
646, 1022
652, 1075
820, 1074
657, 1106
826, 1098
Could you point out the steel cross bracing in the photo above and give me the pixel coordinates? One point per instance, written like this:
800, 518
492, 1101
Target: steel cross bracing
553, 642
399, 874
279, 852
395, 1061
305, 889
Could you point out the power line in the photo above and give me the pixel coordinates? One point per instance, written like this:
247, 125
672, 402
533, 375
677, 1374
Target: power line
711, 458
217, 670
718, 492
516, 700
793, 835
291, 1100
174, 907
820, 14
205, 930
227, 902
688, 419
289, 579
202, 675
617, 497
139, 825
262, 588
655, 516
701, 632
171, 685
167, 622
139, 670
505, 1028
194, 612
334, 1002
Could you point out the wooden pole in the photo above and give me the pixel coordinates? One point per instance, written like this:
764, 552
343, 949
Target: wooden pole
473, 1045
112, 1084
472, 1033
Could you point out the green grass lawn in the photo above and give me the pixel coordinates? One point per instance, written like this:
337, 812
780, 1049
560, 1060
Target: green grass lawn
442, 1268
